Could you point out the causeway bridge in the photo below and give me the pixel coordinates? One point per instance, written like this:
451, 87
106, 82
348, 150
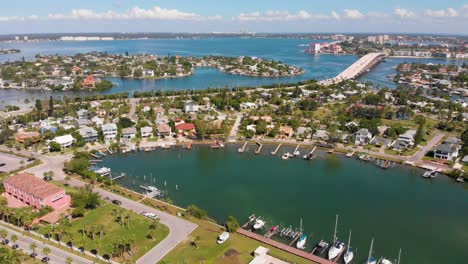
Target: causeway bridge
359, 67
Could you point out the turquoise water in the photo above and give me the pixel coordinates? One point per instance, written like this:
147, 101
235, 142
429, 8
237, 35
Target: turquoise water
319, 67
397, 207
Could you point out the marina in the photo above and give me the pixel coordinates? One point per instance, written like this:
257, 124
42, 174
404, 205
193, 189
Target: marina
249, 182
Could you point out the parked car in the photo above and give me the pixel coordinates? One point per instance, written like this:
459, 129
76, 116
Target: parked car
33, 255
31, 159
5, 241
15, 246
45, 259
223, 237
117, 202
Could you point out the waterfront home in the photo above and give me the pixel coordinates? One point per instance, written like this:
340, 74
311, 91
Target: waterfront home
320, 134
380, 141
191, 107
146, 131
80, 122
109, 131
405, 140
82, 114
129, 132
164, 130
148, 73
21, 137
185, 129
64, 141
97, 120
446, 151
285, 131
35, 192
88, 82
89, 134
362, 136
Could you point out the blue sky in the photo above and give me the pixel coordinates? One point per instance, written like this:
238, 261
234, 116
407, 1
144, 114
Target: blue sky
428, 16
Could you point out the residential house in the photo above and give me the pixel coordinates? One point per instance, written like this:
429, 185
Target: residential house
146, 131
88, 82
362, 136
109, 131
82, 114
446, 151
191, 107
381, 141
129, 132
185, 128
80, 122
285, 131
64, 141
21, 137
320, 134
97, 120
164, 130
405, 140
35, 192
89, 134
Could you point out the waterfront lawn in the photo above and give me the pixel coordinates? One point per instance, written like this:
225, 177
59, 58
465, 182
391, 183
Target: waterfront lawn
201, 247
138, 230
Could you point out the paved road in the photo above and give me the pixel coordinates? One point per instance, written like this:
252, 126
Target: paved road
179, 228
57, 256
235, 128
420, 154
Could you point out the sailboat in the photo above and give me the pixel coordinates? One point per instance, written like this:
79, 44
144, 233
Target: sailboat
348, 256
337, 247
302, 240
370, 259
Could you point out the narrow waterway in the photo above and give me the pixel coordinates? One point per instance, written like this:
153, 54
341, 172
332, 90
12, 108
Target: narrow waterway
400, 209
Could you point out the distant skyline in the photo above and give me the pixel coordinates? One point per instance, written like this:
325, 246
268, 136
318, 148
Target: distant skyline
397, 16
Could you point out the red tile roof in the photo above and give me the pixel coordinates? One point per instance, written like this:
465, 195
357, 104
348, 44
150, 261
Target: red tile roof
185, 126
33, 185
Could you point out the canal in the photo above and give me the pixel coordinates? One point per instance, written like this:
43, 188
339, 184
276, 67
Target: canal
400, 209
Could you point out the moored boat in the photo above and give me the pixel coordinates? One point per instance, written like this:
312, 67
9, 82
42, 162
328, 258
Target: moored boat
301, 242
259, 223
430, 174
370, 258
349, 254
286, 155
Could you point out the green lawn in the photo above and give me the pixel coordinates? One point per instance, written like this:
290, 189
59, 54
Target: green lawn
236, 250
137, 229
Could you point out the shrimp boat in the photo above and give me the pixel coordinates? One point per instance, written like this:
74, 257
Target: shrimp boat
337, 247
301, 242
370, 259
430, 174
349, 255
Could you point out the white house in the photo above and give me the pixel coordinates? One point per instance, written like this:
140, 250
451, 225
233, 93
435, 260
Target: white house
89, 134
64, 141
148, 73
97, 120
129, 132
405, 140
362, 136
146, 131
82, 114
109, 131
446, 151
191, 107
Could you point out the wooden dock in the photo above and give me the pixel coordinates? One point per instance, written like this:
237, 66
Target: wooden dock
281, 246
350, 154
295, 239
260, 146
242, 149
277, 149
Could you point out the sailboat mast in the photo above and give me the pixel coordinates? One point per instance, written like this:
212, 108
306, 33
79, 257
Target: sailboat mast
300, 228
336, 225
349, 241
370, 250
399, 256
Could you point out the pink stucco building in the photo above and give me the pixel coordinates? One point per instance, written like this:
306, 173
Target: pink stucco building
35, 192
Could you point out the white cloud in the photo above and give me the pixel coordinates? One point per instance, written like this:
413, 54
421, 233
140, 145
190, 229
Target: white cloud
335, 15
278, 16
352, 14
134, 13
441, 13
403, 13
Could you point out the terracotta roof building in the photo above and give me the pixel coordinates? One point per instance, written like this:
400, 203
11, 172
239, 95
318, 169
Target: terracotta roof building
35, 192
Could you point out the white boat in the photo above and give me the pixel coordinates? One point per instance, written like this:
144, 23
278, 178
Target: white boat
385, 261
338, 247
286, 156
460, 179
297, 153
430, 174
349, 255
223, 237
301, 242
259, 223
370, 258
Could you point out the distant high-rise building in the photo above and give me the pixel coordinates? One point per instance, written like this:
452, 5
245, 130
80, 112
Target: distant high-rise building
25, 38
17, 38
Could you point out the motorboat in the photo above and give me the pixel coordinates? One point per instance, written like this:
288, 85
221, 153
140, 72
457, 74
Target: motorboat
337, 248
286, 156
385, 261
430, 174
349, 254
460, 179
301, 242
321, 248
259, 223
297, 153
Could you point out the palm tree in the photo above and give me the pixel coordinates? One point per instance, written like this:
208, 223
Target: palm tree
3, 234
14, 238
48, 230
33, 248
46, 252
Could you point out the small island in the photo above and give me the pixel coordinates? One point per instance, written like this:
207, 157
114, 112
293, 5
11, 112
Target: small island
88, 71
9, 51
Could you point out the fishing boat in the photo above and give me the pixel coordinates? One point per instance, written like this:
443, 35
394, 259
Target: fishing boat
349, 255
301, 242
338, 246
370, 258
430, 174
259, 223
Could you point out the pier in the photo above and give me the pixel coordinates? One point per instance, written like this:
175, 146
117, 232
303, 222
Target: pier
260, 146
359, 67
277, 149
117, 177
296, 149
350, 154
242, 149
281, 246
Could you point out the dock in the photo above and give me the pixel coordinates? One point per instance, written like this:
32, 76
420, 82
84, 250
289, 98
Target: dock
350, 154
152, 191
277, 149
109, 151
295, 238
281, 246
297, 148
117, 177
242, 149
260, 146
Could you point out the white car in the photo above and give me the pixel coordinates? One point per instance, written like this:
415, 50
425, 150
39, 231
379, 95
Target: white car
223, 237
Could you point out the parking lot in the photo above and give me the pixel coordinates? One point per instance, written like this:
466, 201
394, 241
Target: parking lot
12, 162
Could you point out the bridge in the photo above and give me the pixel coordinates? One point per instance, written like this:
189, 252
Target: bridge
359, 67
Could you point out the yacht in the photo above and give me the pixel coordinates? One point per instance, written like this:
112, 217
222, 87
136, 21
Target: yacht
349, 255
301, 242
259, 223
